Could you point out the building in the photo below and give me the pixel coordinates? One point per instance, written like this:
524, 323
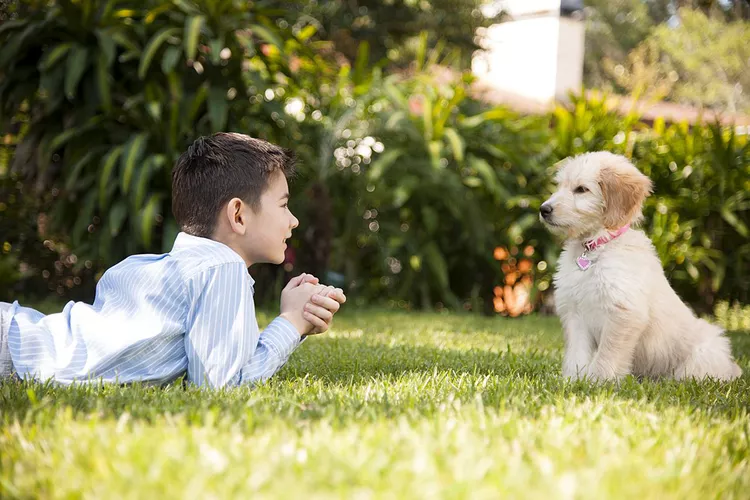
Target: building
533, 59
536, 54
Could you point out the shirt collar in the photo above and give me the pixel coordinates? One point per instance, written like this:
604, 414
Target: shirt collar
185, 240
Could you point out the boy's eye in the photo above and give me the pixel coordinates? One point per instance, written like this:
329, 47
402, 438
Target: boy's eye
580, 189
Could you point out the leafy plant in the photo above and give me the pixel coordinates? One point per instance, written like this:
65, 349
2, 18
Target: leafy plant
106, 94
700, 214
454, 181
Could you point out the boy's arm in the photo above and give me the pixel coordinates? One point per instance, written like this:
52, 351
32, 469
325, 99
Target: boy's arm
223, 343
277, 342
285, 333
305, 309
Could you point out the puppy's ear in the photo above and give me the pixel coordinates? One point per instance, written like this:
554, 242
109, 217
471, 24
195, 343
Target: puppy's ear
624, 189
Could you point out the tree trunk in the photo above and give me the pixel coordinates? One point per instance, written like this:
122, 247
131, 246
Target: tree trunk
318, 236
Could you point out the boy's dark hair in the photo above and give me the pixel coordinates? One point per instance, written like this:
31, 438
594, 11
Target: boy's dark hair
217, 168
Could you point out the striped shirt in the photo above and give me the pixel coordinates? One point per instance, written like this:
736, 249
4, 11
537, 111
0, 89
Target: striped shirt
154, 318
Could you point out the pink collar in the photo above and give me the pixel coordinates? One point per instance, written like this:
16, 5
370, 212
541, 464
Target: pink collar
592, 245
589, 246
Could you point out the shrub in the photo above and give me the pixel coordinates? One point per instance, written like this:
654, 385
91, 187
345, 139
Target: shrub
105, 95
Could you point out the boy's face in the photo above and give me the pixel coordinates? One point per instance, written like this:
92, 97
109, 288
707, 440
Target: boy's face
270, 227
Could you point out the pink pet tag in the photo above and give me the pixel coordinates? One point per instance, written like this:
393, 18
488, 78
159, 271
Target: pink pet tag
583, 262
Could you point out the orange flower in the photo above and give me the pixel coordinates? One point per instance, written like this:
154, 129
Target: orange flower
525, 265
500, 253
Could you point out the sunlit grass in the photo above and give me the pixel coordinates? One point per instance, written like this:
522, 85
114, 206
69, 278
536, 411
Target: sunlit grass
388, 405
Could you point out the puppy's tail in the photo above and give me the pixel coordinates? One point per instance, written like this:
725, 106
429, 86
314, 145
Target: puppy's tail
735, 371
712, 357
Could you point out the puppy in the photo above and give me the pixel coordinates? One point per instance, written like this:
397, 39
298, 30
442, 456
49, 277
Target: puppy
619, 314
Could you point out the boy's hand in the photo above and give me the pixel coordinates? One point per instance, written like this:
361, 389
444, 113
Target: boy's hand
302, 278
322, 306
293, 299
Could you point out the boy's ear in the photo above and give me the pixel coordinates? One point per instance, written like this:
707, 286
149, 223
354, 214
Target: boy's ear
236, 215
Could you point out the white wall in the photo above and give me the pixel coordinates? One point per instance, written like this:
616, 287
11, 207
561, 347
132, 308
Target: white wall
569, 76
537, 55
521, 57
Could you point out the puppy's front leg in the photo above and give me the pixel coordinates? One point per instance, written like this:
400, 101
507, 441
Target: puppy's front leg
579, 347
620, 335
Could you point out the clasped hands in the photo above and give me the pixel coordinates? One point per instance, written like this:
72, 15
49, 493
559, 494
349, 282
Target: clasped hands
310, 306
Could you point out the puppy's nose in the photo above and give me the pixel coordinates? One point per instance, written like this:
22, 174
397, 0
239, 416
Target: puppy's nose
545, 210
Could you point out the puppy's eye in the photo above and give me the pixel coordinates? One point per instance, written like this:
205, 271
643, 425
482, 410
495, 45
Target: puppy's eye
580, 190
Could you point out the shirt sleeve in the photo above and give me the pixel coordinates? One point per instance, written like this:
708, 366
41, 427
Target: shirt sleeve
277, 342
223, 344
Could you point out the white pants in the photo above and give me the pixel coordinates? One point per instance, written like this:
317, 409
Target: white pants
6, 364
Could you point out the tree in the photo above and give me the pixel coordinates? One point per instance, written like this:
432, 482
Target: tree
702, 61
104, 95
722, 9
690, 51
613, 29
392, 27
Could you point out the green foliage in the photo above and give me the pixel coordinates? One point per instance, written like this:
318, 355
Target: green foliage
590, 124
732, 317
709, 60
411, 184
33, 263
695, 55
15, 216
105, 95
392, 28
613, 29
409, 188
338, 137
455, 181
718, 9
700, 214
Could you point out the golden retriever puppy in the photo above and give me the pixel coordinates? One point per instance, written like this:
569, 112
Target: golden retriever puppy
619, 314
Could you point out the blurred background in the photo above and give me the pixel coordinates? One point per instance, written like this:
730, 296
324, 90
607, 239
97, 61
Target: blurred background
428, 131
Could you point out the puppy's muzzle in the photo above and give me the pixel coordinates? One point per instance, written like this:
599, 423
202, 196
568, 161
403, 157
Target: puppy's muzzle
546, 211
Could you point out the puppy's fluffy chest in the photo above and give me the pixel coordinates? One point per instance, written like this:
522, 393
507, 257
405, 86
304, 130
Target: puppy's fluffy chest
614, 281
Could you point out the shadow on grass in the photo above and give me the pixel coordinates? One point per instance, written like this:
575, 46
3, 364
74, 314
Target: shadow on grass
355, 360
347, 378
531, 374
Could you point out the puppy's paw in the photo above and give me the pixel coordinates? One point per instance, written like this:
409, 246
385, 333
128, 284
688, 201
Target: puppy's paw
599, 374
573, 373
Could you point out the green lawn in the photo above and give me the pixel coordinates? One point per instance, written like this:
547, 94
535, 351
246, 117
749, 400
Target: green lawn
389, 405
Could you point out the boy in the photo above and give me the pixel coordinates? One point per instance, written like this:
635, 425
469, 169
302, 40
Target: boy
191, 310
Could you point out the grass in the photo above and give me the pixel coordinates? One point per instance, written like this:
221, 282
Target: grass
388, 405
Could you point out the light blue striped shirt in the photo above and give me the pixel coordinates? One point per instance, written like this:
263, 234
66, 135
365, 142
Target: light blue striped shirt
154, 318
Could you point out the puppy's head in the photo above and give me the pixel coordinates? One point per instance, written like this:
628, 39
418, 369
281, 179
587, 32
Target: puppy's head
595, 191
